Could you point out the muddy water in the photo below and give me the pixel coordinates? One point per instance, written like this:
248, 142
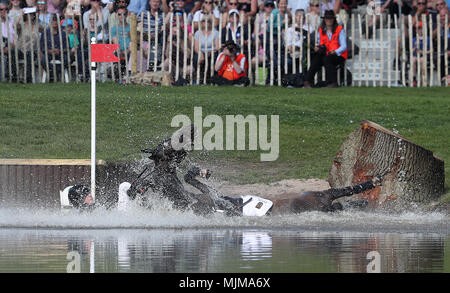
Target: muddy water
163, 240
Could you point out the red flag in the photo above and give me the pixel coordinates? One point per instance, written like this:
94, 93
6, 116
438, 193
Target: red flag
104, 53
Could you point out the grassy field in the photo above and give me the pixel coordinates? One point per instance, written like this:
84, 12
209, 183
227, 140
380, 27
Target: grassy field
53, 121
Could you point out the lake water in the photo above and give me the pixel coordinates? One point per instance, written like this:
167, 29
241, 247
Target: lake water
42, 240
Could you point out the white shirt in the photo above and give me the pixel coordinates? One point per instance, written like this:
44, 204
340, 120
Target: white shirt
198, 15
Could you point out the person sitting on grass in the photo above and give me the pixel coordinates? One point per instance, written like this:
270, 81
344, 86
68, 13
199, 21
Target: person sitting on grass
330, 52
231, 66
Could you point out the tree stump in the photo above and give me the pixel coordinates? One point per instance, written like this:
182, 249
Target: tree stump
411, 172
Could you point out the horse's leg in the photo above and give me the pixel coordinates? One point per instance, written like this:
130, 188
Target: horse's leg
233, 206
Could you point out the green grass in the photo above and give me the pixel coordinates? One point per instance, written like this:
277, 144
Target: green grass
53, 121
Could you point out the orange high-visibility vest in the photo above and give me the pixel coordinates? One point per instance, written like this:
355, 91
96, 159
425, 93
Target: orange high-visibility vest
227, 70
332, 44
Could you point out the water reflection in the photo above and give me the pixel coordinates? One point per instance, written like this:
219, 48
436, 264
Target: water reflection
256, 245
220, 250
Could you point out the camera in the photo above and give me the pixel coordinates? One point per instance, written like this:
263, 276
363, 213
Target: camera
322, 50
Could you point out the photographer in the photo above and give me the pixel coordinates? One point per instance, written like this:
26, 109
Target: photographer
331, 52
231, 66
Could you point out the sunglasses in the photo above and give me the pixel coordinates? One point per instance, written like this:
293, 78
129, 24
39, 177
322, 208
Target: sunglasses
421, 3
233, 4
3, 9
208, 2
317, 5
121, 14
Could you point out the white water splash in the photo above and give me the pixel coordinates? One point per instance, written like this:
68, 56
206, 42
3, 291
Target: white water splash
165, 217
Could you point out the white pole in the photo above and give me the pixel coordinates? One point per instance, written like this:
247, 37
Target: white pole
92, 258
93, 69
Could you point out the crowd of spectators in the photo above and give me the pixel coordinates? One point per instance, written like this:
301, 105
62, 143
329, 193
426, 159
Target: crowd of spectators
38, 30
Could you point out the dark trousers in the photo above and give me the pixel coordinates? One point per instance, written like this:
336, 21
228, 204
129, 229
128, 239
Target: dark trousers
330, 62
219, 80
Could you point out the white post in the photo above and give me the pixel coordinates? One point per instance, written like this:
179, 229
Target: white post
93, 69
92, 257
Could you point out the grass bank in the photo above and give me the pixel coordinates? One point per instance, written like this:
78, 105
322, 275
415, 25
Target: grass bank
53, 121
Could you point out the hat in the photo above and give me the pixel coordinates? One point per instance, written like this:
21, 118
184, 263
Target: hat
233, 11
311, 2
329, 14
267, 2
67, 22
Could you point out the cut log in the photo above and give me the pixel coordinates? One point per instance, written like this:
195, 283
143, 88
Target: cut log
411, 172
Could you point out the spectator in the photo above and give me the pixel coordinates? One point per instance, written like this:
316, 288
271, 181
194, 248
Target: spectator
137, 6
232, 31
263, 19
187, 6
312, 19
85, 5
276, 26
231, 66
120, 33
155, 11
55, 6
73, 7
206, 41
149, 37
418, 51
330, 51
334, 5
170, 60
421, 10
293, 37
95, 29
441, 4
27, 39
114, 18
248, 7
392, 7
245, 10
206, 10
282, 7
70, 27
43, 15
275, 13
15, 12
30, 3
8, 40
100, 14
443, 12
55, 50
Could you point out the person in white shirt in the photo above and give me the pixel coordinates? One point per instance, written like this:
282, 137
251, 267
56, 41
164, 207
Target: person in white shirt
206, 10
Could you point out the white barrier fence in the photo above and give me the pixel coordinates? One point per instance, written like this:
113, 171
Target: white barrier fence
396, 53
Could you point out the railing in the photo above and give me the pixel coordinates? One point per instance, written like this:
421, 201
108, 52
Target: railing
390, 57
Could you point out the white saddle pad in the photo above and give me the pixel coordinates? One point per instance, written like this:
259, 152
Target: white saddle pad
255, 206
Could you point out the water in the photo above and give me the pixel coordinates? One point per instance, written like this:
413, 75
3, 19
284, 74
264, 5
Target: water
163, 240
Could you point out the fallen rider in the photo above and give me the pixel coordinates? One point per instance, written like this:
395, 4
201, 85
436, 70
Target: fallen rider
76, 197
